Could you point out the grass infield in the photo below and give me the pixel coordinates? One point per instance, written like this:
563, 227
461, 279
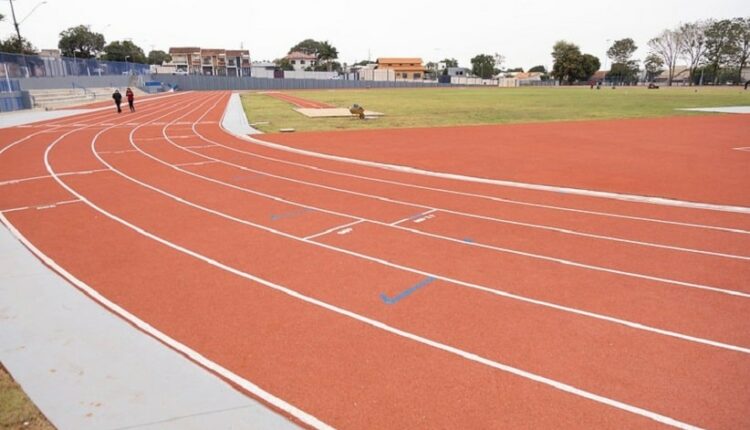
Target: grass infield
435, 107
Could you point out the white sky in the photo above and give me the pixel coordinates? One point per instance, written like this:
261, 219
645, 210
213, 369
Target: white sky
523, 32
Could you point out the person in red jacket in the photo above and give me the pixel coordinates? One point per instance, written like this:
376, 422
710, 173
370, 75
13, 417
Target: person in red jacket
131, 99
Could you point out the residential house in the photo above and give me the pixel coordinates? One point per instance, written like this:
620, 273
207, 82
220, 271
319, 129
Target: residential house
301, 61
459, 71
404, 68
216, 62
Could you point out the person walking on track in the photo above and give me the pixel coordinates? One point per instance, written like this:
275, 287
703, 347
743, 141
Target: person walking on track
118, 99
131, 99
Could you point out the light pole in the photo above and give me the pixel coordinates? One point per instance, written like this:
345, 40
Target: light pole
17, 24
604, 67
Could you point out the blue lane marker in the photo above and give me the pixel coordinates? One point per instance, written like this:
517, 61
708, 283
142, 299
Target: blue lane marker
468, 240
393, 300
291, 214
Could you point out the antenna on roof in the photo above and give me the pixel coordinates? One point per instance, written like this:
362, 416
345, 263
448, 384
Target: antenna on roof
242, 45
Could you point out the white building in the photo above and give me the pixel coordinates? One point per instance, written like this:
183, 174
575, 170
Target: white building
301, 61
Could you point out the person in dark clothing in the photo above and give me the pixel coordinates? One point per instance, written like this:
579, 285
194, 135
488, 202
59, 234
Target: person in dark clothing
118, 99
131, 99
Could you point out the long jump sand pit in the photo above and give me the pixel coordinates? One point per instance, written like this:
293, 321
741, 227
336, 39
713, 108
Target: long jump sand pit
332, 112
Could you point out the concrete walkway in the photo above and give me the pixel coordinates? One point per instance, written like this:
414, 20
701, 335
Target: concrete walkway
235, 119
85, 368
21, 117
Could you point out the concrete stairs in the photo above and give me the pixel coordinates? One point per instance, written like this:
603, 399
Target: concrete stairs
61, 98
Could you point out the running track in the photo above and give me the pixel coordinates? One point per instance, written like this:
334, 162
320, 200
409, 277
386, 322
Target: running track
355, 297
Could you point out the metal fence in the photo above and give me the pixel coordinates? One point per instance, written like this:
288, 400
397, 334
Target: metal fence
35, 66
198, 82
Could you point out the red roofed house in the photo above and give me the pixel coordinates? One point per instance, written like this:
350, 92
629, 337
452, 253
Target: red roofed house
404, 68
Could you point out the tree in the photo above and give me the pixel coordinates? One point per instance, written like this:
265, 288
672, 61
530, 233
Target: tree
742, 44
621, 50
538, 69
570, 65
483, 66
80, 42
158, 57
11, 45
284, 64
124, 51
450, 62
589, 65
654, 66
667, 46
693, 36
308, 46
327, 53
721, 44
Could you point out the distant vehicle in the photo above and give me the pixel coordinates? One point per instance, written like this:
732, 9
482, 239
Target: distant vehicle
180, 72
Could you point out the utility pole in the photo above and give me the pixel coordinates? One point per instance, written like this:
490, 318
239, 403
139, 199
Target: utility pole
15, 24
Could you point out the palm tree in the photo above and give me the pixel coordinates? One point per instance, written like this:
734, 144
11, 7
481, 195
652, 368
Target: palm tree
327, 53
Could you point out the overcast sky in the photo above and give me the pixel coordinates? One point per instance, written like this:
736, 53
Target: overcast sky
523, 32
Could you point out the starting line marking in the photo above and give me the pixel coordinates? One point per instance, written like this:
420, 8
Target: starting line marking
743, 148
290, 214
406, 293
41, 207
339, 229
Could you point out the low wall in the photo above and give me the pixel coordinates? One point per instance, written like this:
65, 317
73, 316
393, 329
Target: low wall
14, 100
114, 81
213, 83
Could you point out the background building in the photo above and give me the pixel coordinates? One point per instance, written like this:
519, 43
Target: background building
301, 61
404, 68
215, 62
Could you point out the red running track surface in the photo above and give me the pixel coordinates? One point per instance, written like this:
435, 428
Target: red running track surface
374, 299
688, 158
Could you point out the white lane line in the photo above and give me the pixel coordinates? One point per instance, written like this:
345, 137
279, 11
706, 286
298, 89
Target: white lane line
626, 323
308, 419
413, 217
167, 340
662, 201
36, 178
743, 148
40, 207
467, 194
193, 355
195, 163
198, 146
121, 151
497, 199
338, 228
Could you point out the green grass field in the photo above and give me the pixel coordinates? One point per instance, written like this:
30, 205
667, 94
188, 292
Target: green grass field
433, 107
16, 410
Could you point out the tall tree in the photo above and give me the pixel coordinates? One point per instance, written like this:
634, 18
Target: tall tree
667, 46
567, 59
742, 44
326, 54
483, 66
124, 51
80, 42
11, 45
721, 38
693, 50
621, 50
158, 57
623, 68
589, 65
654, 66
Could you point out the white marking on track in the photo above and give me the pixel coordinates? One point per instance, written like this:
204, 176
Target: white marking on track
743, 148
338, 227
627, 323
344, 312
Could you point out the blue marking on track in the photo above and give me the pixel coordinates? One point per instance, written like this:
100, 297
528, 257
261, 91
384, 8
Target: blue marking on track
468, 240
406, 293
290, 214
